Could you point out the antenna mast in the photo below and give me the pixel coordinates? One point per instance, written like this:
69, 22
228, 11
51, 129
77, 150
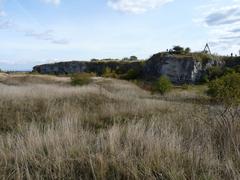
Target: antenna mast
207, 49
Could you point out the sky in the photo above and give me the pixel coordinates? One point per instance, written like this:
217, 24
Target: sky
34, 32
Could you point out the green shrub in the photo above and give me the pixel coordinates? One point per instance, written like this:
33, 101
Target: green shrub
81, 79
187, 50
226, 89
237, 68
131, 74
217, 72
228, 70
133, 58
163, 85
204, 79
109, 73
214, 72
178, 50
203, 57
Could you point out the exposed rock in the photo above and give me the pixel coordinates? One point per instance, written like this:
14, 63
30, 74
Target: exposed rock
61, 68
179, 68
97, 67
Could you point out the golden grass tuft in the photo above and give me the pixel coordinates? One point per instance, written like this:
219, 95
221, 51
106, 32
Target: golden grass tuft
111, 129
26, 79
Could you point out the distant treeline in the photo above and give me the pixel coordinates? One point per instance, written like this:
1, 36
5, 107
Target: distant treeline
131, 58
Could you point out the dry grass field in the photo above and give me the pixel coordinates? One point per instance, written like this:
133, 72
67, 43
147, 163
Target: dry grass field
111, 129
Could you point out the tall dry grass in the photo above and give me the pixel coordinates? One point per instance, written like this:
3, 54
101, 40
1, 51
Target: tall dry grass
111, 129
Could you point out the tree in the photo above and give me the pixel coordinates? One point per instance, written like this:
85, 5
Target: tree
163, 85
178, 50
94, 60
133, 58
187, 50
226, 89
131, 74
125, 59
226, 92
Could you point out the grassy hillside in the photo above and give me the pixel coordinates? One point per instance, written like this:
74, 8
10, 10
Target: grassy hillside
111, 129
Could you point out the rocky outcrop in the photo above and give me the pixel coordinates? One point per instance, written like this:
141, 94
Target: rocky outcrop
97, 67
61, 68
179, 68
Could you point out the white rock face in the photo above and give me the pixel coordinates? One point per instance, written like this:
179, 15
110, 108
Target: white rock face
179, 69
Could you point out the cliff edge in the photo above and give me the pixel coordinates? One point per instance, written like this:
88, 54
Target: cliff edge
179, 68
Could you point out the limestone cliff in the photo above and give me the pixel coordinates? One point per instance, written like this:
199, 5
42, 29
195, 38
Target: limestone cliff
97, 67
179, 68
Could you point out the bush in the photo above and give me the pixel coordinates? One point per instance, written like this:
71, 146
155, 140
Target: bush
204, 79
109, 73
133, 58
81, 79
237, 68
203, 57
131, 74
163, 85
217, 72
187, 50
214, 72
228, 70
226, 89
178, 50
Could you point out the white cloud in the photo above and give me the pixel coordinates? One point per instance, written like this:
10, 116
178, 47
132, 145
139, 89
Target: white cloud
55, 2
47, 35
5, 24
223, 25
136, 6
223, 16
2, 13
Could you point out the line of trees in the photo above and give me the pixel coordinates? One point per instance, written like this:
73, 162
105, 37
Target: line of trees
131, 58
180, 50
